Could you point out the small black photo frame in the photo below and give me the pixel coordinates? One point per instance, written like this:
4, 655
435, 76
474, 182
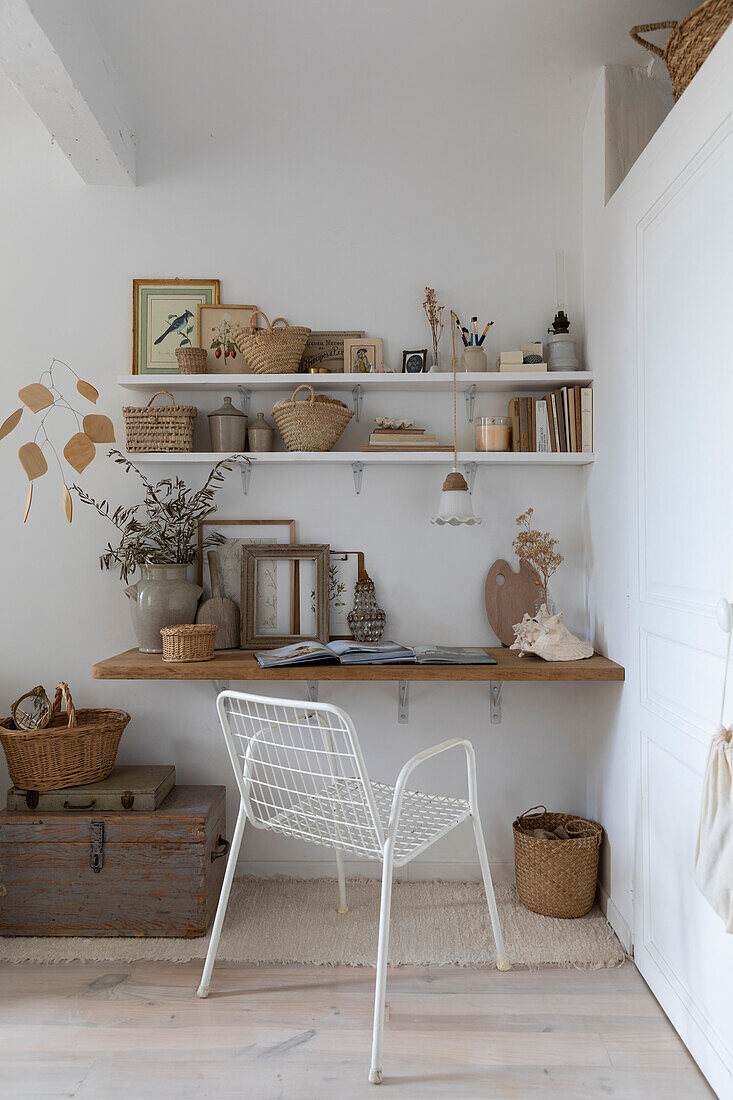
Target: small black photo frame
415, 362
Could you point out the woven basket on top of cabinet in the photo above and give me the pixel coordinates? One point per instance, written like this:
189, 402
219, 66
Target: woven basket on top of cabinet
556, 878
77, 747
272, 350
166, 428
691, 40
315, 424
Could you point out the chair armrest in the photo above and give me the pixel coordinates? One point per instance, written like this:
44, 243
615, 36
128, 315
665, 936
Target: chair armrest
410, 765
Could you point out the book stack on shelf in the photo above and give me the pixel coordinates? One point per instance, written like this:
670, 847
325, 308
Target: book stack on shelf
559, 421
403, 439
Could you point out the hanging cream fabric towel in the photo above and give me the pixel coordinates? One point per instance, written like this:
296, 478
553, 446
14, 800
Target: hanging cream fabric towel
714, 853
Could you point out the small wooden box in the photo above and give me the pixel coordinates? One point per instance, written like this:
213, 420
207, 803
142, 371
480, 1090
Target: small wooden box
115, 874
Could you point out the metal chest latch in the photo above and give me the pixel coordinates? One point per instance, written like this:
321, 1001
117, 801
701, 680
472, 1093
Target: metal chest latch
96, 846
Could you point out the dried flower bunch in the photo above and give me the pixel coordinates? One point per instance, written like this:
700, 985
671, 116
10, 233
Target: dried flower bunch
537, 548
167, 532
434, 314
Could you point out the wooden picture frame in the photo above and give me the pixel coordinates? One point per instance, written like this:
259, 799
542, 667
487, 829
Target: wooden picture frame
366, 350
220, 314
153, 299
325, 350
410, 357
315, 552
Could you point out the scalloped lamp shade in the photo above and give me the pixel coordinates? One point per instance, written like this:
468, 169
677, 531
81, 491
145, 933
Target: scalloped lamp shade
455, 508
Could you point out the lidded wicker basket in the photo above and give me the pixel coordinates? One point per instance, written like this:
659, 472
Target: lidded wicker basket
161, 427
188, 642
691, 40
77, 747
272, 350
312, 425
556, 878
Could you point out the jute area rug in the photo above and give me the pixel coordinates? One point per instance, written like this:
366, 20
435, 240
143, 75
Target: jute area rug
287, 920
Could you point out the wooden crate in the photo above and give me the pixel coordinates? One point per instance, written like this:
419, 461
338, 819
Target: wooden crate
155, 874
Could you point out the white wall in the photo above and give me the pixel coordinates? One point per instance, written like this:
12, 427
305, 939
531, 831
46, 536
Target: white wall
325, 161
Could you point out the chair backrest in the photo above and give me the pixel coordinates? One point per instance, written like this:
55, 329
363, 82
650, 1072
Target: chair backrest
300, 771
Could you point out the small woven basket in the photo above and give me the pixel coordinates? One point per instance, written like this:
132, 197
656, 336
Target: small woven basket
556, 878
77, 747
271, 350
191, 360
312, 425
188, 642
691, 40
160, 428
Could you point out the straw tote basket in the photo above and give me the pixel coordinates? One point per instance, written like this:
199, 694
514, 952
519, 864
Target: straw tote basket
188, 642
691, 40
556, 878
160, 428
271, 350
77, 747
312, 425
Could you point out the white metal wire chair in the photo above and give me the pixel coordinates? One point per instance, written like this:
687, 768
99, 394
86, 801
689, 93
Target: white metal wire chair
300, 772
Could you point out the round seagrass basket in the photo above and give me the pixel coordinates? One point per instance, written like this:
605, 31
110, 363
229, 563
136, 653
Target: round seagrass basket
556, 878
272, 350
312, 425
691, 40
160, 427
77, 747
188, 642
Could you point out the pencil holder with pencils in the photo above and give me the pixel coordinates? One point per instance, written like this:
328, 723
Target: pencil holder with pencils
474, 359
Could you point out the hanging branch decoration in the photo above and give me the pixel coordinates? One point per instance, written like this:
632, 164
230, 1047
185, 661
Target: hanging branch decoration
434, 314
537, 548
79, 449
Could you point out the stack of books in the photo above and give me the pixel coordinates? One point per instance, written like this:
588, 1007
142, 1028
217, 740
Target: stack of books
403, 439
559, 421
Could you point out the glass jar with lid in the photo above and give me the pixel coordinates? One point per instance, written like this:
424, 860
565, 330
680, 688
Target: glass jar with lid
493, 433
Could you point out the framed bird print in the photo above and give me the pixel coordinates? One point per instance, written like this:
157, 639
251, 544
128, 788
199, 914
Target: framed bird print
165, 317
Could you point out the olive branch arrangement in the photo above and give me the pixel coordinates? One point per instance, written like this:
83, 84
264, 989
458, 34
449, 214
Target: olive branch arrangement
167, 531
434, 314
537, 548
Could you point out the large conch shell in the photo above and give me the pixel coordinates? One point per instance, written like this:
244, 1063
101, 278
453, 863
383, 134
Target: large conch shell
547, 636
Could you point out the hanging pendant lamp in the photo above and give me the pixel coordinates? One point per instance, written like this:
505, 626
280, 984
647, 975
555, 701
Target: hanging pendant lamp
455, 507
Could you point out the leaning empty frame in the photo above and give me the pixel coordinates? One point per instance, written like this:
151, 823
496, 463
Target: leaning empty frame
251, 557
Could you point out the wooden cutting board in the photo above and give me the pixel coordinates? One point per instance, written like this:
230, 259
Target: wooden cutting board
508, 596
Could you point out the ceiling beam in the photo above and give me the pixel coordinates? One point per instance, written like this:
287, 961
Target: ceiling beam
53, 55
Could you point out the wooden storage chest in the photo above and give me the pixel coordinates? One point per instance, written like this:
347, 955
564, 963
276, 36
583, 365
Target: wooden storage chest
115, 874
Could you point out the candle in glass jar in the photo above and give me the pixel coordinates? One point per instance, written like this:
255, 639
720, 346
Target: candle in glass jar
493, 433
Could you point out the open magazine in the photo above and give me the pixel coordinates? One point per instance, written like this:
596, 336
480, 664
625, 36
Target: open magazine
348, 652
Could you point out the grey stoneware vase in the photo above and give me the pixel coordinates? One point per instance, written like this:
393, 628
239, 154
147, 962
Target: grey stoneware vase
164, 596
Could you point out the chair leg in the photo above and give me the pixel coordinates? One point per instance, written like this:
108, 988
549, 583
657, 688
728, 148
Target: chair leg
502, 961
203, 989
342, 907
375, 1073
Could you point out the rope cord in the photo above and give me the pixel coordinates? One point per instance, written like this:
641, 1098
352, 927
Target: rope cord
725, 676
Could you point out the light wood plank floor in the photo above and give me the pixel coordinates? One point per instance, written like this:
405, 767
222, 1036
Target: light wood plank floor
106, 1032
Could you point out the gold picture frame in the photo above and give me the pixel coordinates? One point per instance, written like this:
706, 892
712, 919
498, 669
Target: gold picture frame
164, 317
216, 325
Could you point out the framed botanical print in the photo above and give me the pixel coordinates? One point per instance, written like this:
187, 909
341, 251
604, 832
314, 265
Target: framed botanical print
165, 317
345, 568
363, 356
325, 350
216, 327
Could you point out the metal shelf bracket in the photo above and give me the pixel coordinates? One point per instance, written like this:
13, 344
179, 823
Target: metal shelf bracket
358, 471
496, 694
403, 706
246, 476
471, 468
312, 688
219, 686
470, 396
358, 395
244, 398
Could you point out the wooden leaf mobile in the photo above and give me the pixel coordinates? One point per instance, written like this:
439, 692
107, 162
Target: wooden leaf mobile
86, 389
32, 460
79, 452
68, 505
100, 429
29, 498
12, 422
36, 396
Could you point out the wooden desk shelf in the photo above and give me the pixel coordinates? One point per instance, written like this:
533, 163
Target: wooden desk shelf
234, 665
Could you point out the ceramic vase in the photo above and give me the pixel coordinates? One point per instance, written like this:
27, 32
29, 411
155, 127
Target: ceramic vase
163, 596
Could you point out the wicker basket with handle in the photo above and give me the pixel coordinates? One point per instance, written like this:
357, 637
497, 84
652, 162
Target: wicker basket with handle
271, 350
691, 40
77, 747
188, 642
312, 425
159, 427
556, 878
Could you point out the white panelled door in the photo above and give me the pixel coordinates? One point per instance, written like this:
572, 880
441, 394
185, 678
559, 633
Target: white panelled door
681, 207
